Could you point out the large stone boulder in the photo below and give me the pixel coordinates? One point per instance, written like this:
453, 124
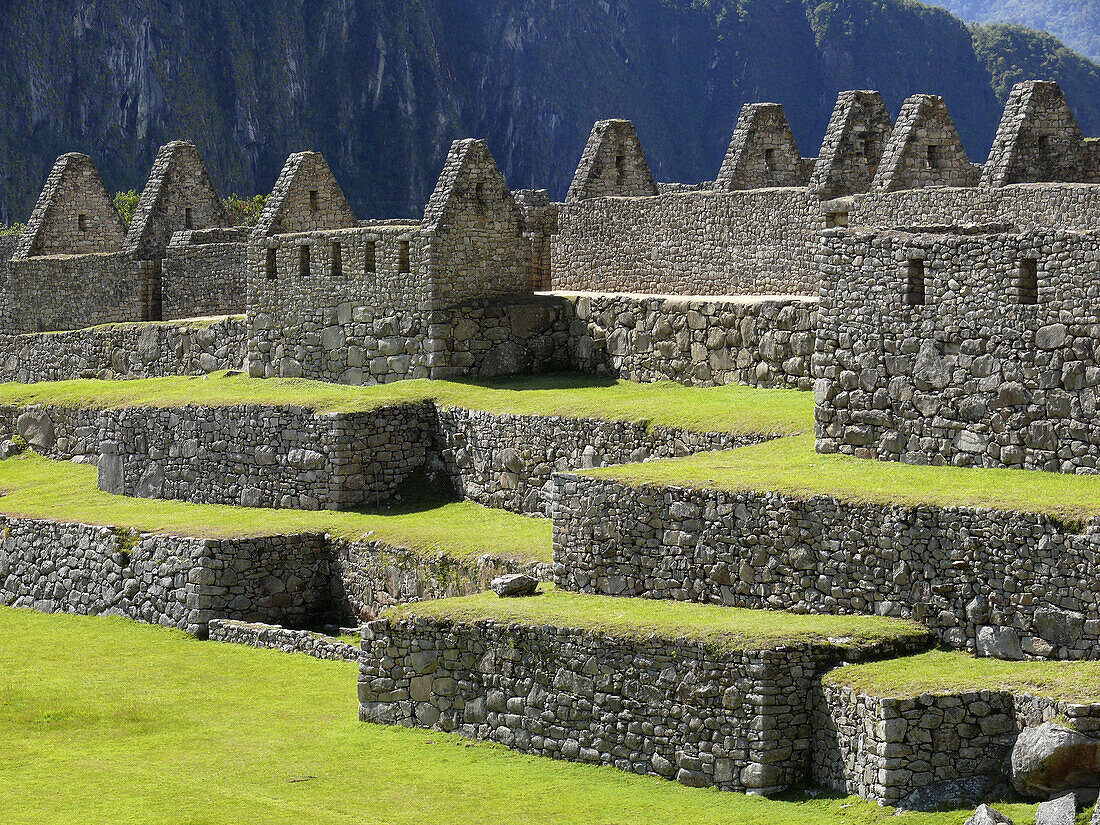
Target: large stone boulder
36, 428
952, 794
514, 584
1060, 811
1050, 758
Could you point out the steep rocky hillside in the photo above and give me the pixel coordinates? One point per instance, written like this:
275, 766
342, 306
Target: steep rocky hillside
1075, 22
383, 86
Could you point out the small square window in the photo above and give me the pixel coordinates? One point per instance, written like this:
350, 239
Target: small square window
769, 159
369, 259
82, 223
934, 157
270, 266
337, 260
303, 260
314, 201
403, 257
1027, 281
914, 285
187, 224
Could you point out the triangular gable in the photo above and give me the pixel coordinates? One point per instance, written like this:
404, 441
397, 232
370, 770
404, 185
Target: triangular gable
179, 195
74, 214
762, 151
853, 145
306, 197
1038, 139
612, 164
923, 149
471, 184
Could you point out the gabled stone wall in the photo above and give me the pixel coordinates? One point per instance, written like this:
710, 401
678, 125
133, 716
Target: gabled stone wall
762, 152
204, 273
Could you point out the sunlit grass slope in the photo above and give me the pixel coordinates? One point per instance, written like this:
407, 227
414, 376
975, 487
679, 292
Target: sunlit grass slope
35, 487
105, 720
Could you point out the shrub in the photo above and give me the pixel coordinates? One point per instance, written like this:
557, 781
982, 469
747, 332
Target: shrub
243, 210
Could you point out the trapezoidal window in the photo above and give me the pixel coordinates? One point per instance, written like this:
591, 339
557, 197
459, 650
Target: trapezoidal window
769, 159
337, 260
935, 159
270, 267
835, 219
369, 257
314, 201
303, 260
1027, 281
187, 223
82, 223
914, 283
620, 168
403, 257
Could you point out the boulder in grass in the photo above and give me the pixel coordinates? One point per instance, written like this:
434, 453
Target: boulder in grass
514, 584
952, 794
1060, 811
985, 815
1051, 759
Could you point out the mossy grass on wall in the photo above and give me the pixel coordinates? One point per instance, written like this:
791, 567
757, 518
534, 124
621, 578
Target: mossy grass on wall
108, 720
722, 628
731, 408
34, 487
953, 672
790, 466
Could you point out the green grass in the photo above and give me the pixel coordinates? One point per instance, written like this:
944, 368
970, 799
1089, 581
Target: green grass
722, 628
35, 487
731, 408
952, 672
790, 466
105, 720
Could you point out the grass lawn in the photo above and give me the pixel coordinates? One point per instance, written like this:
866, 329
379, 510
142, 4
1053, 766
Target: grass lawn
36, 487
951, 672
790, 465
108, 721
731, 408
723, 628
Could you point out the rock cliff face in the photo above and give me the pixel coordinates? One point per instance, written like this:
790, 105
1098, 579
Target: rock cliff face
381, 87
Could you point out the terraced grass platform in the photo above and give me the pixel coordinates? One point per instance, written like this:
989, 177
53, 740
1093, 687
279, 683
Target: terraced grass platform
790, 466
627, 619
105, 720
35, 487
730, 408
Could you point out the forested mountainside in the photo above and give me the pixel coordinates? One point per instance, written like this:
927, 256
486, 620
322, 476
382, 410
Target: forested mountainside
1075, 22
382, 87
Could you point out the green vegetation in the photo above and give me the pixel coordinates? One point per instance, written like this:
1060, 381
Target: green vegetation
1075, 22
723, 628
34, 487
126, 203
105, 720
731, 408
12, 229
244, 210
952, 672
790, 465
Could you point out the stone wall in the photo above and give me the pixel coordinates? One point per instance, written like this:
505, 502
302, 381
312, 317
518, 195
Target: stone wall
998, 583
884, 748
734, 720
72, 291
274, 637
755, 341
168, 580
204, 273
1027, 207
754, 242
968, 349
262, 456
504, 460
60, 433
139, 350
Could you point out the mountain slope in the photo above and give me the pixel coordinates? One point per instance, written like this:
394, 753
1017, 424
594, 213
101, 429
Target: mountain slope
1074, 22
382, 87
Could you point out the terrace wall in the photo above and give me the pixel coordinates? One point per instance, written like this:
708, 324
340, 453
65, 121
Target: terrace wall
737, 721
262, 456
755, 341
998, 583
884, 748
125, 351
168, 580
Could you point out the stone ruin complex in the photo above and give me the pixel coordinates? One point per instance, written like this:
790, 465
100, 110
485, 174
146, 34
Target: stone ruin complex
941, 311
